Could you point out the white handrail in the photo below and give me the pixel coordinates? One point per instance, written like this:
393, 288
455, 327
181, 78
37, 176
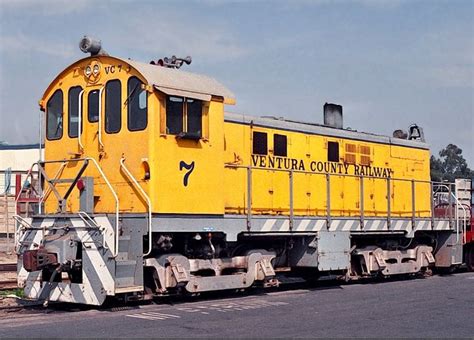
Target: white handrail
456, 217
115, 252
22, 221
122, 160
79, 123
101, 145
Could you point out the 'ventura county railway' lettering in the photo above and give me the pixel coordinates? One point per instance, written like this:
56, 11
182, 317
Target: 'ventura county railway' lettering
283, 163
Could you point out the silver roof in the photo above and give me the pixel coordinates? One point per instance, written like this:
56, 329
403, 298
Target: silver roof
181, 83
278, 123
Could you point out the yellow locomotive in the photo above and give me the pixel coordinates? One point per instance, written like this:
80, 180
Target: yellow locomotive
150, 188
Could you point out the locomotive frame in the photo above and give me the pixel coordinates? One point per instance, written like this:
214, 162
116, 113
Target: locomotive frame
164, 193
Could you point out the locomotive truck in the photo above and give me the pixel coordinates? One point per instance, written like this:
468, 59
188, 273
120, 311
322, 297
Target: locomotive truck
150, 188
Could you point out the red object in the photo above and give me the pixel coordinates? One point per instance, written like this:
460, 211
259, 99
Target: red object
80, 185
38, 259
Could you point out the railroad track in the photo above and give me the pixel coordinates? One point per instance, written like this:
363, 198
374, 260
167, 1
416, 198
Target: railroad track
7, 269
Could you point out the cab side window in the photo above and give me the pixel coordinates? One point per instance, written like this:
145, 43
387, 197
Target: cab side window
54, 114
174, 115
73, 111
113, 106
136, 105
184, 117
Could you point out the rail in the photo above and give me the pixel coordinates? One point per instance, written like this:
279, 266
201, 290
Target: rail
328, 214
145, 196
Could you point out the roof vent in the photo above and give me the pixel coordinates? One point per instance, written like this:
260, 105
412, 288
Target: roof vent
333, 115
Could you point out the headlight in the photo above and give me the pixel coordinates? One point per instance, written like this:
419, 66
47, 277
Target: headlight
96, 69
88, 71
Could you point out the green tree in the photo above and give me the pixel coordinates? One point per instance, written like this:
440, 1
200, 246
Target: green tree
450, 165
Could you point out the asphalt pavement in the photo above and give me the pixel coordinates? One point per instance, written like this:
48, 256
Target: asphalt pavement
437, 306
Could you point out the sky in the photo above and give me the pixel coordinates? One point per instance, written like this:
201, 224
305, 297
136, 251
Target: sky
390, 63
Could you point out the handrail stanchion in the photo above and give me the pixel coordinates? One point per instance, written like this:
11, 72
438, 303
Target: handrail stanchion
413, 206
432, 205
389, 207
249, 198
328, 201
450, 211
291, 200
129, 174
361, 198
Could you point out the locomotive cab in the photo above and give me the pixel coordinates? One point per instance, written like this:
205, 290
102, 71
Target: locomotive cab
165, 125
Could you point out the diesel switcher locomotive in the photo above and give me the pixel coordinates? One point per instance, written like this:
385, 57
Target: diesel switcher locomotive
149, 188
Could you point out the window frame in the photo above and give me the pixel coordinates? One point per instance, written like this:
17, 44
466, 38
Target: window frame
106, 105
129, 107
182, 102
331, 150
184, 130
69, 111
62, 115
261, 133
275, 143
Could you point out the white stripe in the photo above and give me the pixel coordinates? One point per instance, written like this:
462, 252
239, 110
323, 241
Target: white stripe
107, 230
334, 224
319, 225
98, 262
398, 225
303, 224
347, 225
268, 225
139, 316
285, 226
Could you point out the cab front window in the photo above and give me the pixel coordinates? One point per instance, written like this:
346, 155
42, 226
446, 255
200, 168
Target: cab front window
137, 105
54, 116
73, 111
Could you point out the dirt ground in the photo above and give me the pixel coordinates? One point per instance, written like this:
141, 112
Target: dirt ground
7, 251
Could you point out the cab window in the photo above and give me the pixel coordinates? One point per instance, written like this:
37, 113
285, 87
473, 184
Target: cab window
73, 111
174, 115
93, 106
184, 117
54, 114
113, 106
137, 105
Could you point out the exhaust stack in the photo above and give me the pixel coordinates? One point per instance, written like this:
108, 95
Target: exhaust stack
333, 115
